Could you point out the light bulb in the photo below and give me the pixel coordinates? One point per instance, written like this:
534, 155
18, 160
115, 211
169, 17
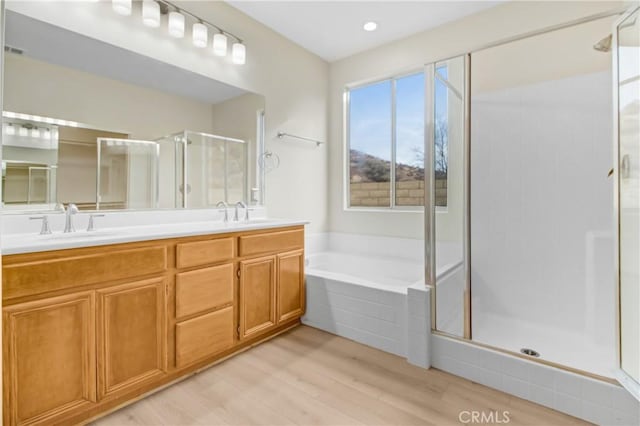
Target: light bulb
238, 53
370, 26
46, 134
10, 130
122, 7
151, 13
220, 44
199, 35
176, 24
23, 131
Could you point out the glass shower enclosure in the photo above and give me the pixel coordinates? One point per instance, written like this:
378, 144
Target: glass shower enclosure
522, 254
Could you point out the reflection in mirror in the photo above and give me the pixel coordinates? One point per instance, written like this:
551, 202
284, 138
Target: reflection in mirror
214, 168
55, 80
127, 174
29, 164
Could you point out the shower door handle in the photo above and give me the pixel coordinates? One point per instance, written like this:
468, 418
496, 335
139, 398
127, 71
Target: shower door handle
625, 167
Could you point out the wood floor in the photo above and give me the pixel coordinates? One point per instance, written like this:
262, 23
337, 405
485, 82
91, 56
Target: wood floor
309, 377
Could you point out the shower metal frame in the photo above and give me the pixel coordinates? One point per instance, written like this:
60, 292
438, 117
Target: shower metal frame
429, 210
622, 376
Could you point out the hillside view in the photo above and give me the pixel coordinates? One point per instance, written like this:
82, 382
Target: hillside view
368, 168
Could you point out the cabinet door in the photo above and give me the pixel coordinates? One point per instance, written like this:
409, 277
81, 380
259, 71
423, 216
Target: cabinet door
204, 336
49, 358
131, 335
290, 281
257, 295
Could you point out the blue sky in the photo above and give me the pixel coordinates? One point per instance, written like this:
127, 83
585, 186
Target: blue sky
370, 117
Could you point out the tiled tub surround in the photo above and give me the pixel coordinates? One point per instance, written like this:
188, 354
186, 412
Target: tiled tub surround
371, 290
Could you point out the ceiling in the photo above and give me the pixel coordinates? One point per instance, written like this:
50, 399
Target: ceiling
333, 29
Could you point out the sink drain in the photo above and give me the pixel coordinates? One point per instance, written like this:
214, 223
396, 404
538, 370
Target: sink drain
530, 352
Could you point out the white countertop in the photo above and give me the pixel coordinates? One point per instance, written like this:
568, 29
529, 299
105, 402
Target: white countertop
33, 242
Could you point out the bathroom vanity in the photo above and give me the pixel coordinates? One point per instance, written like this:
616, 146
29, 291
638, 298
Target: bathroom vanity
87, 329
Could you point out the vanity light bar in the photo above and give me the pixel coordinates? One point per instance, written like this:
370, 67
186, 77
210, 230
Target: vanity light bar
125, 142
152, 9
40, 119
13, 129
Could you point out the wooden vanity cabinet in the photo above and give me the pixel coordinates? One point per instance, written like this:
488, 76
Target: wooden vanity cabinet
272, 286
49, 358
131, 321
204, 300
81, 326
257, 296
290, 289
86, 330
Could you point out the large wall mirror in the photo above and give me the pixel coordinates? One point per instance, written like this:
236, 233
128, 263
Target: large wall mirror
89, 123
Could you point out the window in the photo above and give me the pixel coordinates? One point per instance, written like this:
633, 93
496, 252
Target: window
386, 143
441, 136
370, 127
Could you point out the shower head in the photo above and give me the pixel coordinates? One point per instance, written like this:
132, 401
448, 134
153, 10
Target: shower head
603, 45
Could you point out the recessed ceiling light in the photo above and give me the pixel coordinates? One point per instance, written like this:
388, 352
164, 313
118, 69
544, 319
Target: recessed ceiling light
370, 26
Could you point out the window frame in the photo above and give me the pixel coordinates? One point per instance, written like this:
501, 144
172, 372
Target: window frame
346, 137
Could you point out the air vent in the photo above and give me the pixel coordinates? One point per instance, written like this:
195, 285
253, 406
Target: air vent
15, 50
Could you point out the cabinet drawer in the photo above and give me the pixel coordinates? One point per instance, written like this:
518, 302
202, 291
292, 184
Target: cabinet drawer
204, 252
29, 277
271, 242
203, 336
203, 289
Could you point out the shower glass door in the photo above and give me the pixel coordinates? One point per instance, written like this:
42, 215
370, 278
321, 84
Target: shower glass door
628, 78
542, 241
447, 116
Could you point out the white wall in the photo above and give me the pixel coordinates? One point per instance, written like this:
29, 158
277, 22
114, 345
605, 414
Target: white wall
293, 81
452, 39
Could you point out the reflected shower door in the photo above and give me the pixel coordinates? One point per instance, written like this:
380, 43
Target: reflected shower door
216, 170
628, 55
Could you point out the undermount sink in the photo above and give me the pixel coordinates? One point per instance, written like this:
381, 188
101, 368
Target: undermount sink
79, 235
258, 220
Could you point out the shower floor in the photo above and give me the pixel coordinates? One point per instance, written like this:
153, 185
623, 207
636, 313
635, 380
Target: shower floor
575, 350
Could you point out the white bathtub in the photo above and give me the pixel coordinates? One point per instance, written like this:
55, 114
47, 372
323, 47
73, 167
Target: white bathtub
370, 296
366, 270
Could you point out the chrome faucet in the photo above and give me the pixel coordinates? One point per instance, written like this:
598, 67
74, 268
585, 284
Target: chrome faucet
246, 211
91, 227
68, 212
45, 229
226, 213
